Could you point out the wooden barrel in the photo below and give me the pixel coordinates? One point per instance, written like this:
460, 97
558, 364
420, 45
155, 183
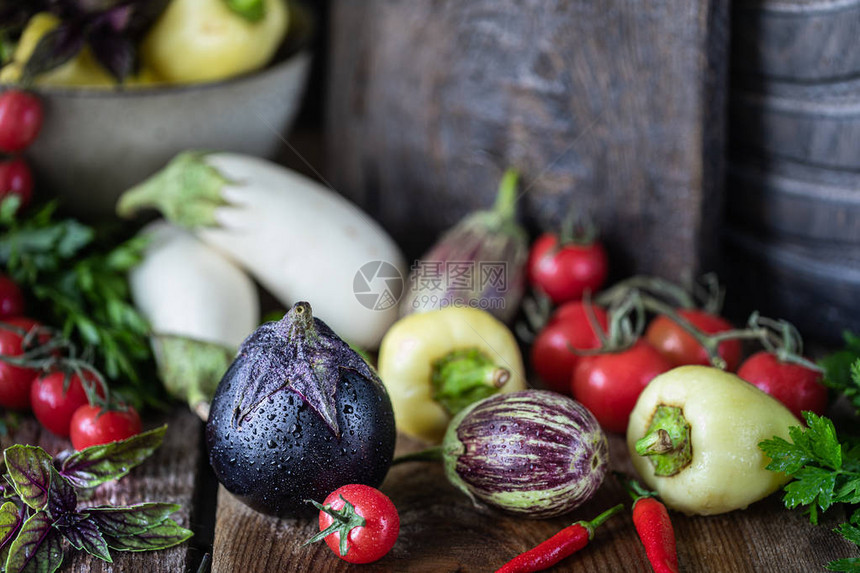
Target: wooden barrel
816, 286
796, 40
812, 123
789, 199
613, 108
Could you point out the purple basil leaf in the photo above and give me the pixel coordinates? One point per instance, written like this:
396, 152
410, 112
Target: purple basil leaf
85, 535
54, 49
130, 520
98, 464
115, 53
62, 498
10, 523
38, 547
30, 472
166, 534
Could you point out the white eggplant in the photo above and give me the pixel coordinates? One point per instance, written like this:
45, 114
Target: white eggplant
300, 240
200, 307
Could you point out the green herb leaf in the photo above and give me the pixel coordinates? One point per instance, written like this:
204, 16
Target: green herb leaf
838, 373
166, 534
10, 522
85, 535
62, 499
130, 520
98, 464
785, 457
848, 565
811, 484
38, 547
29, 468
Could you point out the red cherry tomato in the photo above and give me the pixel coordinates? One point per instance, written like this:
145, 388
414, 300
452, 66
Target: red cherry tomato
20, 120
680, 348
565, 272
92, 426
11, 298
568, 327
609, 384
795, 385
15, 382
376, 537
16, 179
55, 407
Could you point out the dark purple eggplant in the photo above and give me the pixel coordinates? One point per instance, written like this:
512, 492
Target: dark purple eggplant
297, 415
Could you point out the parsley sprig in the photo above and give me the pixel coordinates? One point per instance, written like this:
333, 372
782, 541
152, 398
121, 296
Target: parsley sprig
825, 472
40, 512
842, 370
79, 278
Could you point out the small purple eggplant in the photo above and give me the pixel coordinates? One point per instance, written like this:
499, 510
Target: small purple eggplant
479, 263
533, 453
297, 415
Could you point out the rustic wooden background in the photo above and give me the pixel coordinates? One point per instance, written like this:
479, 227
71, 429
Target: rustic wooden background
613, 108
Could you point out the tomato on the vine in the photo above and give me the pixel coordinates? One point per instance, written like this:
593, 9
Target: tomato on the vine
569, 327
566, 271
93, 426
679, 346
16, 179
11, 298
54, 404
21, 118
15, 381
366, 516
795, 385
609, 384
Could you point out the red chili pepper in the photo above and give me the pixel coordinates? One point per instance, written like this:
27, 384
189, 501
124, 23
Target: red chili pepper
654, 527
561, 545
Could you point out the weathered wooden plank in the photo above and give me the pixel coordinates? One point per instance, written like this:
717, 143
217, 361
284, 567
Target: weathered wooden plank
170, 475
614, 108
441, 530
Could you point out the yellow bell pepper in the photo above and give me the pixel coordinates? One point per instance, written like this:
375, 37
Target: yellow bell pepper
693, 437
203, 40
436, 363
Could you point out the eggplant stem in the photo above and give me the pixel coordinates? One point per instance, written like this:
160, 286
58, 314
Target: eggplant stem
434, 454
506, 199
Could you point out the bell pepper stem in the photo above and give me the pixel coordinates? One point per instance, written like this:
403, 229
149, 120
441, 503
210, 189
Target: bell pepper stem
464, 376
667, 443
434, 454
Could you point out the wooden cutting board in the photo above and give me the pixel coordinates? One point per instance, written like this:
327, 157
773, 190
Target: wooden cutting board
441, 530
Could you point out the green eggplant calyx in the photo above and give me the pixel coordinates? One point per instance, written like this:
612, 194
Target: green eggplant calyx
250, 10
187, 192
464, 376
667, 441
191, 369
344, 520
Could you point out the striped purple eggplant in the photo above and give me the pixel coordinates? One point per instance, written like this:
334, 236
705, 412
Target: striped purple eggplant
534, 453
480, 262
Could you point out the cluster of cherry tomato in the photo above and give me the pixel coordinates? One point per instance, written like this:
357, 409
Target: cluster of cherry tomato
20, 122
56, 396
571, 356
